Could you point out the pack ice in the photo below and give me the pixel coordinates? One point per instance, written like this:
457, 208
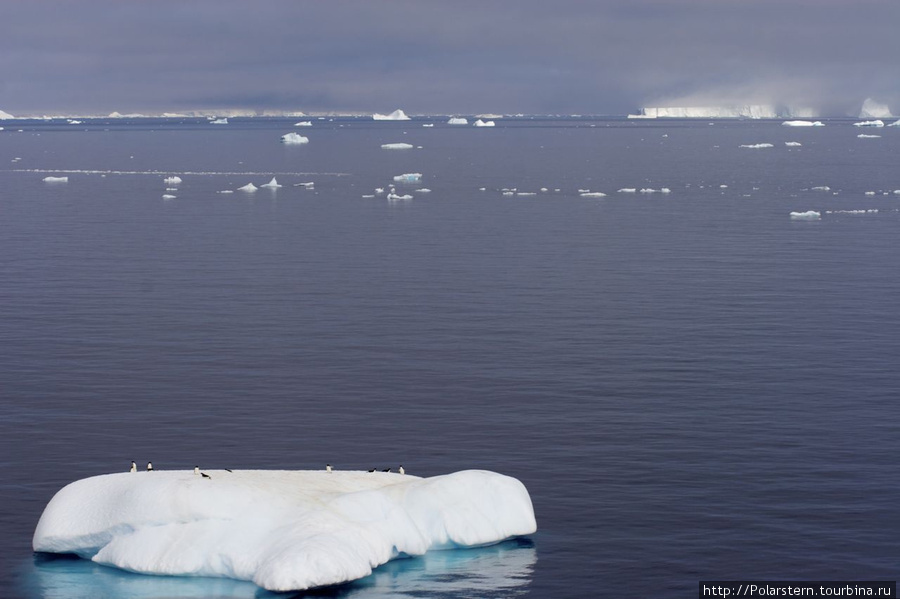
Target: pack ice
283, 530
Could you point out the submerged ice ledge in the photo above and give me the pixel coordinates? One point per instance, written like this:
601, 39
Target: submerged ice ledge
283, 530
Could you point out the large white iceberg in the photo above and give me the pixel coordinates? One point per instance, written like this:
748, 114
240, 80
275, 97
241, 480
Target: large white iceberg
294, 138
875, 123
283, 530
753, 111
458, 120
5, 115
397, 115
803, 124
874, 110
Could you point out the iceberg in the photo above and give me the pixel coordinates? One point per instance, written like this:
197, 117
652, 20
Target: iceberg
408, 178
222, 121
74, 122
397, 115
873, 110
480, 123
5, 115
273, 184
592, 194
865, 136
875, 123
56, 179
793, 144
757, 146
394, 197
752, 111
628, 190
803, 124
396, 146
303, 124
895, 123
168, 196
282, 530
174, 180
294, 138
808, 215
249, 187
457, 120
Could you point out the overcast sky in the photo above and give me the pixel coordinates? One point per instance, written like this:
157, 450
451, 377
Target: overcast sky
445, 56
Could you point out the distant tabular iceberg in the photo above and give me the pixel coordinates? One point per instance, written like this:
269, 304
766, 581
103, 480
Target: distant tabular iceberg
397, 115
283, 530
749, 111
803, 124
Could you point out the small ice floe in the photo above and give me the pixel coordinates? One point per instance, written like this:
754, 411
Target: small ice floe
870, 193
408, 178
757, 146
306, 185
593, 194
171, 189
526, 193
249, 187
457, 120
665, 190
793, 144
628, 190
544, 190
222, 121
294, 138
480, 123
803, 124
303, 124
649, 190
808, 215
723, 187
396, 146
368, 195
273, 184
428, 124
871, 211
864, 136
397, 115
379, 190
875, 123
225, 191
393, 197
172, 180
168, 196
821, 188
894, 124
74, 122
56, 179
423, 190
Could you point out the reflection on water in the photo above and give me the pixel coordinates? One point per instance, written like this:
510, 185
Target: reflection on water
502, 570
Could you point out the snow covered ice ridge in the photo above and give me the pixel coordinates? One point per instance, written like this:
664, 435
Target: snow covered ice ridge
283, 530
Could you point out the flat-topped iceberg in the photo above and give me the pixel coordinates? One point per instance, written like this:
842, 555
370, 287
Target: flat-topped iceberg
808, 215
752, 111
875, 123
294, 138
396, 146
458, 120
803, 124
283, 530
56, 179
408, 178
397, 115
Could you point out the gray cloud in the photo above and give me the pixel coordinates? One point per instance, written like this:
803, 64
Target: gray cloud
569, 56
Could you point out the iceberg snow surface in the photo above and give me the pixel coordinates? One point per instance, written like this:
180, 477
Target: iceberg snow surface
283, 530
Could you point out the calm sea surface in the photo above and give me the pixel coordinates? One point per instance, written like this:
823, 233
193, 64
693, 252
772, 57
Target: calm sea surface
691, 385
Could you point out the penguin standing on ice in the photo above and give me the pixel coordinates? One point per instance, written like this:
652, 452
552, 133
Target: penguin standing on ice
328, 468
149, 466
401, 470
196, 469
133, 467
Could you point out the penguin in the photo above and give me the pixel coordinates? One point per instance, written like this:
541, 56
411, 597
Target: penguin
328, 468
133, 467
386, 470
372, 470
196, 469
205, 475
227, 470
149, 466
401, 470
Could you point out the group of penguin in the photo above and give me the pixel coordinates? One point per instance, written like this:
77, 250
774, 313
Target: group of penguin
205, 475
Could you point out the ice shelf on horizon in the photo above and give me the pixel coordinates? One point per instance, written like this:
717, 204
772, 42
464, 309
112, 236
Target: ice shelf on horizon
283, 530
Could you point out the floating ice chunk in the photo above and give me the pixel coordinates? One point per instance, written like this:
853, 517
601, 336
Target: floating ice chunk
56, 179
283, 530
821, 188
757, 146
294, 138
874, 110
393, 197
665, 190
864, 136
171, 189
174, 180
509, 193
895, 123
628, 190
457, 120
593, 194
396, 146
649, 190
222, 121
428, 124
480, 123
225, 191
303, 124
408, 178
249, 187
368, 195
793, 144
870, 193
273, 184
397, 115
808, 215
423, 190
307, 185
875, 123
168, 196
803, 124
897, 192
526, 193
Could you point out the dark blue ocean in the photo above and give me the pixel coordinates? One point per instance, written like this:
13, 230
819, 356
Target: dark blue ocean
692, 385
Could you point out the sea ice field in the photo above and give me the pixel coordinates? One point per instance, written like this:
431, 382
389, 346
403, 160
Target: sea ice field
678, 335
